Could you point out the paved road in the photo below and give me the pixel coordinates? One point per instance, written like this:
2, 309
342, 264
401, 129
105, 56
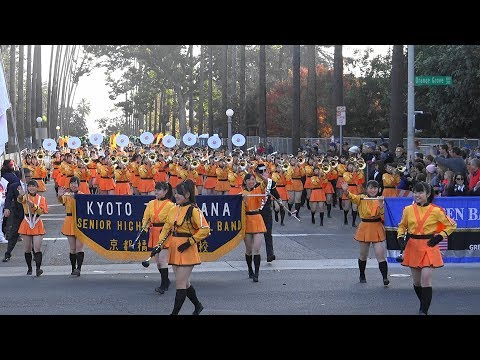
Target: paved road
315, 273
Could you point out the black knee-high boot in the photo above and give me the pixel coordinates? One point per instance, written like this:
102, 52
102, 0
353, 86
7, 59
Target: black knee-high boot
340, 203
362, 264
329, 209
383, 266
354, 217
290, 208
73, 262
282, 215
276, 215
308, 204
345, 220
426, 300
256, 263
192, 296
313, 218
28, 259
418, 291
248, 259
297, 207
80, 257
180, 296
165, 282
56, 189
38, 261
321, 218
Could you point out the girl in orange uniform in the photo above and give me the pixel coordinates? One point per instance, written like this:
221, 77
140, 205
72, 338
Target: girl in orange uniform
67, 198
422, 220
155, 215
371, 230
188, 227
31, 228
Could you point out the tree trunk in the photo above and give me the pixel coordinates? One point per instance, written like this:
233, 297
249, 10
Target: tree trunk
201, 92
397, 123
296, 99
223, 122
210, 90
20, 104
337, 86
12, 144
28, 99
38, 80
190, 93
311, 124
262, 94
51, 124
242, 128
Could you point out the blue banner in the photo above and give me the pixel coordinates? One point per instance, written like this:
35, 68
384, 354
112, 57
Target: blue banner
463, 244
109, 224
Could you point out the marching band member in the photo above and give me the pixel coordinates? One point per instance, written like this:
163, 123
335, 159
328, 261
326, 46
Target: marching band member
155, 215
354, 178
188, 227
280, 205
210, 177
295, 194
106, 170
317, 196
134, 175
67, 198
371, 230
56, 161
122, 176
146, 184
255, 226
31, 228
39, 172
390, 180
422, 220
222, 186
82, 172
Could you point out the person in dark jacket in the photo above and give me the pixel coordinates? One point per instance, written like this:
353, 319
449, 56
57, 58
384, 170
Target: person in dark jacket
458, 188
13, 211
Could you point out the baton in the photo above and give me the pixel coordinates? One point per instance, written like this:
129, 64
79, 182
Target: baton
132, 247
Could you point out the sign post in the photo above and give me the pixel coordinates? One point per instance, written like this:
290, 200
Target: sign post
341, 121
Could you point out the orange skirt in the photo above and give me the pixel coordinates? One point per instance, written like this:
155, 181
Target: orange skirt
68, 227
106, 184
153, 237
282, 191
418, 254
255, 224
328, 188
390, 192
308, 183
188, 257
210, 182
25, 229
297, 185
340, 181
84, 187
174, 181
370, 232
122, 188
222, 185
146, 185
317, 194
234, 190
160, 176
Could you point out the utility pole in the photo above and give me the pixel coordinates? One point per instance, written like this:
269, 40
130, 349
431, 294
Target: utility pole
411, 105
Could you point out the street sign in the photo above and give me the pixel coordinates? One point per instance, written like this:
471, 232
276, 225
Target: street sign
341, 115
433, 80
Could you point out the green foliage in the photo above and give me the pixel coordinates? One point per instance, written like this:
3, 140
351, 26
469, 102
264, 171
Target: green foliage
456, 107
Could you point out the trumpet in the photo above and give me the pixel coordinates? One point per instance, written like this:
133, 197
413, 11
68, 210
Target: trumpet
286, 166
86, 160
333, 163
152, 156
401, 168
301, 160
326, 167
361, 164
194, 163
40, 155
113, 159
243, 165
229, 160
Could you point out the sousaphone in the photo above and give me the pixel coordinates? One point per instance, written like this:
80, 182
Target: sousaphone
238, 140
146, 138
189, 139
214, 141
169, 141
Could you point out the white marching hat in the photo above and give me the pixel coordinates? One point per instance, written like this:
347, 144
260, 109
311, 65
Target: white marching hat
354, 149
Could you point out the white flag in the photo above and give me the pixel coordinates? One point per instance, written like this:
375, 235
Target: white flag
4, 105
